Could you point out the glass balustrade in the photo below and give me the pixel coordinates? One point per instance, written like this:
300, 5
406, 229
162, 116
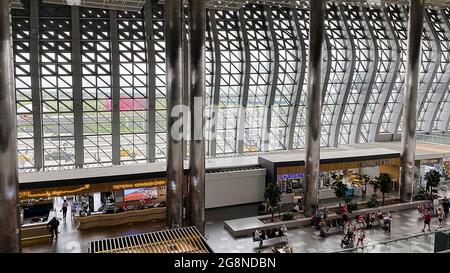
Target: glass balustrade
426, 242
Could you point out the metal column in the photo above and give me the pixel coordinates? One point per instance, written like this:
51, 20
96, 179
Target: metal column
197, 47
9, 182
173, 12
415, 26
36, 87
77, 88
115, 88
316, 37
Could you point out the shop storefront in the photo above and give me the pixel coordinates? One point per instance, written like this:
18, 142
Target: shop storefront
446, 168
355, 171
428, 165
96, 204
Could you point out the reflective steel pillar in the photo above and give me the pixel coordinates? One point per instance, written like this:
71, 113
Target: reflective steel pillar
415, 28
173, 11
316, 37
9, 199
196, 197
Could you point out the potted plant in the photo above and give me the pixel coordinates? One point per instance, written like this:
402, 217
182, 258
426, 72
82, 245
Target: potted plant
288, 216
351, 206
340, 191
433, 178
421, 194
384, 184
373, 202
272, 195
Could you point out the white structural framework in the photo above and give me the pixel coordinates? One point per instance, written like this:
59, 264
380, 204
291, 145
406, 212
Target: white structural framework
91, 83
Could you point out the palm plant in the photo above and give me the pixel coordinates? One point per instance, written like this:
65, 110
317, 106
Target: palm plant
272, 195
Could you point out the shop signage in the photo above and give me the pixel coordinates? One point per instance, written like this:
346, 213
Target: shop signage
29, 194
374, 163
429, 161
140, 185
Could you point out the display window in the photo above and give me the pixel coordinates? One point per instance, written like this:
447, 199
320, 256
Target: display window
357, 180
428, 165
446, 168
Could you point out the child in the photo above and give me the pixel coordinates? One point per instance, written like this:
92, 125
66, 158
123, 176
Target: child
426, 220
361, 238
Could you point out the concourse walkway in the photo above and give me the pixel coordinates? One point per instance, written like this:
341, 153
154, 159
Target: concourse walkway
303, 240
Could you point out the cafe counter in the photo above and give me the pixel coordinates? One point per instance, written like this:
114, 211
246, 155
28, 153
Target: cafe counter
115, 219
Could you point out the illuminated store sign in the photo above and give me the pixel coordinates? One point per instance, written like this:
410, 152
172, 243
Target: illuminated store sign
140, 185
29, 194
374, 163
102, 187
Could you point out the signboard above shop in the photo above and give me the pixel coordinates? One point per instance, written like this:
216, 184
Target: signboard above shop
375, 163
89, 188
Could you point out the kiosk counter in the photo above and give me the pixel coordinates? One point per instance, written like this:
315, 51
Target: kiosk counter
120, 218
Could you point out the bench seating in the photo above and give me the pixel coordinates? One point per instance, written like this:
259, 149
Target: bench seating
270, 240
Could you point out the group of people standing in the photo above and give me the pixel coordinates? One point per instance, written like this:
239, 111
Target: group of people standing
441, 212
351, 230
260, 235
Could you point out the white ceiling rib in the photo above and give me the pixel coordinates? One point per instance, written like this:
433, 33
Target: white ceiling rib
137, 5
126, 5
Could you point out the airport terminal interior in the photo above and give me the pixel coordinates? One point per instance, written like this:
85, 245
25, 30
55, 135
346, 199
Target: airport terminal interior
224, 126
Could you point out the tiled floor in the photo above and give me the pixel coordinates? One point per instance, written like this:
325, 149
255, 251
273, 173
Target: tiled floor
302, 240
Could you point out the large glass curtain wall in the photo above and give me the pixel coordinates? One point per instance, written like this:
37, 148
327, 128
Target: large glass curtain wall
91, 91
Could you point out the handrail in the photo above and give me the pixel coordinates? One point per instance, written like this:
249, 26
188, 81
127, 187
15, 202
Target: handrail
405, 238
434, 138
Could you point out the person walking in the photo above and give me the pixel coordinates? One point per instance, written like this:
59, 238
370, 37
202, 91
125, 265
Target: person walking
440, 216
65, 205
426, 220
53, 228
435, 205
388, 222
445, 206
73, 211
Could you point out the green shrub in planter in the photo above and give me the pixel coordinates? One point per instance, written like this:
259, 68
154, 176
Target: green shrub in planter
352, 206
347, 200
421, 194
373, 202
288, 217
